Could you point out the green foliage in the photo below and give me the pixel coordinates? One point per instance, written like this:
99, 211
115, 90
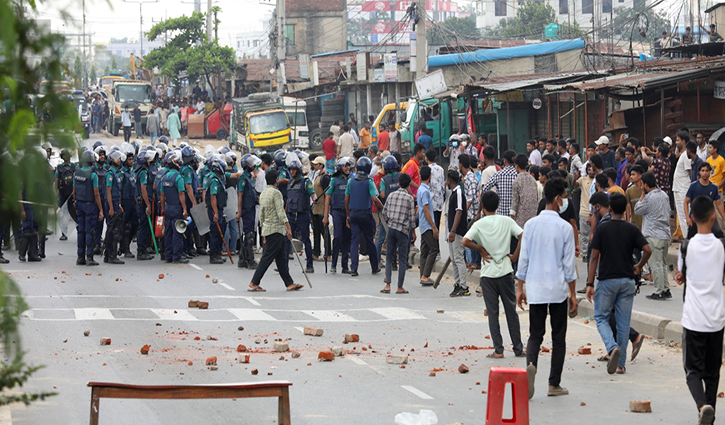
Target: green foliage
624, 19
94, 75
187, 49
106, 70
114, 65
454, 27
21, 159
78, 71
529, 22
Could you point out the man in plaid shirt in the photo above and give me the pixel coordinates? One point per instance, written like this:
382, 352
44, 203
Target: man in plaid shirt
503, 181
399, 213
470, 188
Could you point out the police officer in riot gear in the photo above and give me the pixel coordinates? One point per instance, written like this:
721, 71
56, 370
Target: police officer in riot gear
128, 201
359, 197
101, 169
144, 203
191, 184
64, 181
246, 209
283, 177
173, 208
299, 193
216, 201
335, 205
89, 210
114, 221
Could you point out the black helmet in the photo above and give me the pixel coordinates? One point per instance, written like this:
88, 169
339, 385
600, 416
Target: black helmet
188, 154
279, 157
364, 165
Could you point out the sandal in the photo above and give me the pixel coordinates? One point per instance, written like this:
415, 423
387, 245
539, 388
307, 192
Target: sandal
621, 370
494, 355
385, 291
401, 291
256, 288
604, 358
295, 287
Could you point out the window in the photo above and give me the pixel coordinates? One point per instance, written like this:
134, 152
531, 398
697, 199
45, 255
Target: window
500, 8
256, 43
290, 34
587, 7
239, 44
606, 6
563, 7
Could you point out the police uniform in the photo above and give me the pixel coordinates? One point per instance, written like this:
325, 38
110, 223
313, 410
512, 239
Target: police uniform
248, 192
130, 216
101, 171
30, 227
341, 240
171, 185
361, 192
187, 172
85, 181
284, 174
388, 184
143, 178
216, 187
298, 212
158, 188
114, 180
65, 174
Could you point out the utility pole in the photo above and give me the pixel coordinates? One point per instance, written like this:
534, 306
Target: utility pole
84, 77
281, 46
208, 21
140, 14
421, 47
197, 6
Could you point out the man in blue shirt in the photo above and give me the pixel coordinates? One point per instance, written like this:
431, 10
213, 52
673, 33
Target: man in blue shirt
425, 139
548, 267
428, 227
703, 187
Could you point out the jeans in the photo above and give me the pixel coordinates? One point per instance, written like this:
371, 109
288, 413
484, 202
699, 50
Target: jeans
502, 287
231, 235
96, 124
397, 240
458, 261
428, 252
381, 238
153, 136
618, 295
658, 264
558, 316
702, 357
126, 133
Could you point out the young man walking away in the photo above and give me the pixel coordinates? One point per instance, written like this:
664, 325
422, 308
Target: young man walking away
492, 235
701, 260
547, 266
428, 227
457, 226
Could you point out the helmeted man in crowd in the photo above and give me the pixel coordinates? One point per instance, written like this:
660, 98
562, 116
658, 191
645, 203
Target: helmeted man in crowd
299, 193
335, 204
359, 197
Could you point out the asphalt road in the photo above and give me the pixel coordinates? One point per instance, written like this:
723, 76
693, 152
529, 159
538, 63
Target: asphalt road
133, 306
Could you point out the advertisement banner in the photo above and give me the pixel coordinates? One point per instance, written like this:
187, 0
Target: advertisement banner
390, 66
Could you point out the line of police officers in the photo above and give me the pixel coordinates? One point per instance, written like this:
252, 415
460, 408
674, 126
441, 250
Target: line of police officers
129, 187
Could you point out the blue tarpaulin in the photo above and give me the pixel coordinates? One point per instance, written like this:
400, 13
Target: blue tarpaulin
486, 55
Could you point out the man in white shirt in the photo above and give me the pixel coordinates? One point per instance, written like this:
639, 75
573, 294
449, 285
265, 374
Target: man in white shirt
701, 262
547, 266
126, 122
489, 153
534, 154
702, 146
681, 180
346, 144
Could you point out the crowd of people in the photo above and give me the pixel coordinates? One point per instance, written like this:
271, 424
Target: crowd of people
522, 222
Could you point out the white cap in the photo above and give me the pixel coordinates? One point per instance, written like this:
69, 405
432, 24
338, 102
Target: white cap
667, 140
604, 140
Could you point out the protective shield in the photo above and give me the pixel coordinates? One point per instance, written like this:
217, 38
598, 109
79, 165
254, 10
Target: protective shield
230, 211
200, 217
65, 221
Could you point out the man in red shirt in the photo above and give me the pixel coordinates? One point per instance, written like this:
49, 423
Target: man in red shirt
330, 148
412, 167
383, 138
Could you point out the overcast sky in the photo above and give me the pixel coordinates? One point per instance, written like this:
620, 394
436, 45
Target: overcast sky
115, 18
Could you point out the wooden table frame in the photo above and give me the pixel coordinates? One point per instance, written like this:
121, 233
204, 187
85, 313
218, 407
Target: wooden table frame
279, 389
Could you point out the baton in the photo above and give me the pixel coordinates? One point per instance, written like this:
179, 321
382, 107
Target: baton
294, 248
152, 235
225, 242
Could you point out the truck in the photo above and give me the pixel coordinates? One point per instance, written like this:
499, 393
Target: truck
259, 122
387, 115
124, 93
439, 116
296, 110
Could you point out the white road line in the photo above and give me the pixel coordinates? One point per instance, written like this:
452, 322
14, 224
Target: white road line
93, 314
251, 314
252, 301
417, 392
195, 266
329, 316
171, 314
300, 328
226, 286
395, 313
5, 416
354, 359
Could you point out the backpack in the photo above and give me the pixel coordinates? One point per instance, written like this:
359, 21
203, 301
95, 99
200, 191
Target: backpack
683, 252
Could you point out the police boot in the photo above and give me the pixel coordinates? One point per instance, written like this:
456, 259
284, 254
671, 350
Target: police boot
113, 259
81, 261
41, 245
144, 257
33, 248
97, 250
216, 259
90, 261
23, 249
249, 249
242, 261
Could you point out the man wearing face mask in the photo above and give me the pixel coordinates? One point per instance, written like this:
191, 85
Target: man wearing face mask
566, 210
453, 151
468, 147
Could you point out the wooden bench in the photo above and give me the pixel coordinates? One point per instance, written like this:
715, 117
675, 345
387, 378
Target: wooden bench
279, 389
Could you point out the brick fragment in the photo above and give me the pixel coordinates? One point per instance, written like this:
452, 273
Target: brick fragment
432, 374
241, 348
326, 356
281, 347
640, 406
585, 350
582, 404
545, 349
440, 310
244, 358
255, 371
193, 303
338, 351
145, 349
241, 328
87, 332
105, 341
213, 367
161, 276
352, 338
203, 305
211, 361
309, 330
397, 359
463, 368
296, 354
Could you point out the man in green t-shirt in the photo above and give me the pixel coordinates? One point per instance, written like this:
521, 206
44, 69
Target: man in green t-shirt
491, 236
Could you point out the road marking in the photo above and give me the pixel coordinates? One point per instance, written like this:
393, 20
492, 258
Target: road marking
356, 360
395, 313
329, 316
93, 314
226, 286
252, 301
171, 314
251, 314
195, 266
5, 416
417, 392
300, 328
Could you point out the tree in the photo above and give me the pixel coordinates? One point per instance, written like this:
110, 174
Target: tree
114, 65
530, 20
454, 27
78, 71
94, 75
21, 162
106, 70
188, 50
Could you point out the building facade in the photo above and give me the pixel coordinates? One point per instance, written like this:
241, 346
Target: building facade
125, 49
315, 26
252, 45
587, 13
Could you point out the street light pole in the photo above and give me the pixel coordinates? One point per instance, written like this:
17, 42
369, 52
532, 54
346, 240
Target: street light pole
140, 15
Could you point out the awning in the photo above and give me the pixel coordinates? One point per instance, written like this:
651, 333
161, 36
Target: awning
504, 86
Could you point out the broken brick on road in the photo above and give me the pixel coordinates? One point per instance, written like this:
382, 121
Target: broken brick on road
309, 330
